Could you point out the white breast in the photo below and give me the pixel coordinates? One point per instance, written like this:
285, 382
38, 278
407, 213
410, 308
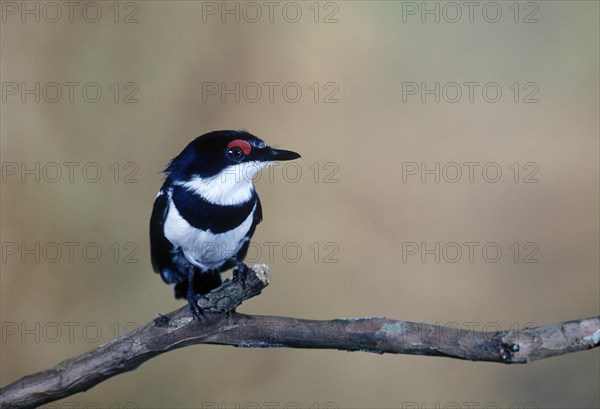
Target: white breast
230, 187
202, 248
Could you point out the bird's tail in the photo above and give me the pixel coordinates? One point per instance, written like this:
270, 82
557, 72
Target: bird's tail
204, 282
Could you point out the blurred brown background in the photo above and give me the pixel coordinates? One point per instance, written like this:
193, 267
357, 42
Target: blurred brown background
155, 63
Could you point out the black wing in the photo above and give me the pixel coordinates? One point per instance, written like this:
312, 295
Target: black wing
241, 255
256, 219
161, 248
258, 213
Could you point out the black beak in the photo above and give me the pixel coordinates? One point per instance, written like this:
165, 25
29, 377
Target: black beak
270, 155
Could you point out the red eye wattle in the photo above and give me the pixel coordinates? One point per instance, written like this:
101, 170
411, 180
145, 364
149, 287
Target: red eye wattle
239, 143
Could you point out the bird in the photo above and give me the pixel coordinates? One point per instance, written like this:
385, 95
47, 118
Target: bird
207, 211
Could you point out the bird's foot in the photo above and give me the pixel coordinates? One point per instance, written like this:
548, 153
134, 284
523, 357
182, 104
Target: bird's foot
193, 303
240, 273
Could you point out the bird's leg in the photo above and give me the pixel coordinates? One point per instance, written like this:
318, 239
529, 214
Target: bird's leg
192, 297
240, 272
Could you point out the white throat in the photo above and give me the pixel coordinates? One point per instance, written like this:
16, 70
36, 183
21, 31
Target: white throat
232, 186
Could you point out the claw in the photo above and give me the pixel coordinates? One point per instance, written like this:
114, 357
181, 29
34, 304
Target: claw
240, 274
193, 298
194, 308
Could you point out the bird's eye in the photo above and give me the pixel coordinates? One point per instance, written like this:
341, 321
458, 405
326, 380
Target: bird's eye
238, 149
235, 153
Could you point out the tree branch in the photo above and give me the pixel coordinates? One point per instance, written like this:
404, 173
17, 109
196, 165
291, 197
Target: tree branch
223, 327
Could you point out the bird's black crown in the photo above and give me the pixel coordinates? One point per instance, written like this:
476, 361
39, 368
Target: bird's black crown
211, 153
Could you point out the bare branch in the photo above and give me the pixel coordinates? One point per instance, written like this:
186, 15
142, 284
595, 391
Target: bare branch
379, 335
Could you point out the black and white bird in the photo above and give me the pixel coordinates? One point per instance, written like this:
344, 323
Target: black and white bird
207, 211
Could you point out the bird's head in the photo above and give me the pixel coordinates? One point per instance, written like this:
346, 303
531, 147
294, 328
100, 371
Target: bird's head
220, 165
